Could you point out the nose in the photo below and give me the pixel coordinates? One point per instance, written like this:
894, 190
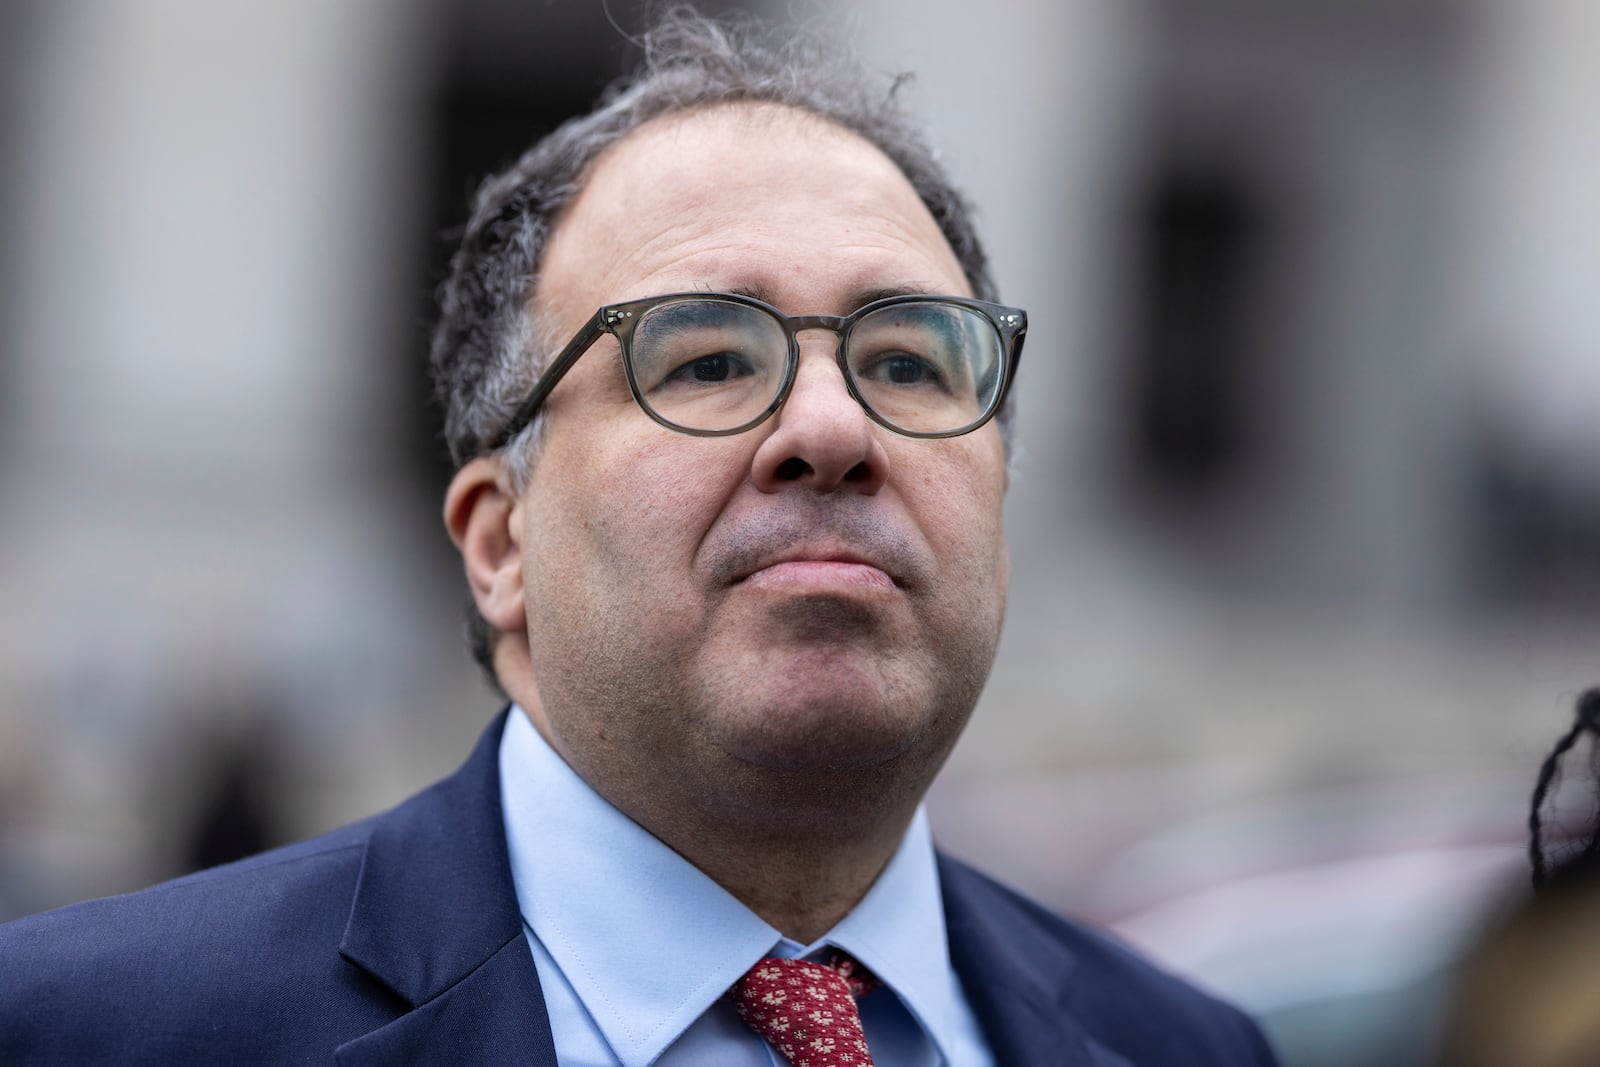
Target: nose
822, 439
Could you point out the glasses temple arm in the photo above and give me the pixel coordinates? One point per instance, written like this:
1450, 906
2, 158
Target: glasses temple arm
549, 380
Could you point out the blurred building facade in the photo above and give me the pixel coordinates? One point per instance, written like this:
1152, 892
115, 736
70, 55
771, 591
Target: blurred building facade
1307, 513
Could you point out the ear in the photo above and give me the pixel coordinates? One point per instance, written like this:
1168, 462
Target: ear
480, 513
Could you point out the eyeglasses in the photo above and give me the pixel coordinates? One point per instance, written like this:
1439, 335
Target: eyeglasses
715, 364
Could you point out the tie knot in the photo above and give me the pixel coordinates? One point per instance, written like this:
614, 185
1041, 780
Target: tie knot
807, 1011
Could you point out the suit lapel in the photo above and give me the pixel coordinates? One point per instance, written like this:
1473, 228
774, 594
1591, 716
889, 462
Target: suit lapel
1017, 983
435, 920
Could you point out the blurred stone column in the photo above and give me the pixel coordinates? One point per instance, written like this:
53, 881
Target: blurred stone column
213, 210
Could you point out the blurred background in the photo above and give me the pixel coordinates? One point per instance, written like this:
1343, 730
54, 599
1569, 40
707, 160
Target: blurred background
1306, 528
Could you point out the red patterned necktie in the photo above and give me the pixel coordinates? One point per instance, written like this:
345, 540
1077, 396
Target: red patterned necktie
807, 1011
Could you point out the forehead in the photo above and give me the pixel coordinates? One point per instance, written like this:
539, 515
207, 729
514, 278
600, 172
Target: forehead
749, 196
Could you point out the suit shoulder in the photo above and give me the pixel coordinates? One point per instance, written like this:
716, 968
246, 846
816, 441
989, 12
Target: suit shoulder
247, 893
207, 948
1122, 999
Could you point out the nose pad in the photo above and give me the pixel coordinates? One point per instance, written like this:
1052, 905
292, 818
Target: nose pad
823, 439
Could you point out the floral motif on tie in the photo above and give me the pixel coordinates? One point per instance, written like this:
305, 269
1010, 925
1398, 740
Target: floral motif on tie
807, 1011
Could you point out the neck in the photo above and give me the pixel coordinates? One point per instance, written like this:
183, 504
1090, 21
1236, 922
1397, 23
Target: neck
798, 852
803, 888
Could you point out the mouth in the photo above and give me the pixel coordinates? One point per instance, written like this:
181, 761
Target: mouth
820, 574
805, 547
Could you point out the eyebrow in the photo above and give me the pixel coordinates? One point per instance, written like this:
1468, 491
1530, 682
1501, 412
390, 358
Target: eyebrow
861, 298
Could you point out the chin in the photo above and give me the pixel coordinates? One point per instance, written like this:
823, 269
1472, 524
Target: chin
795, 755
819, 730
833, 707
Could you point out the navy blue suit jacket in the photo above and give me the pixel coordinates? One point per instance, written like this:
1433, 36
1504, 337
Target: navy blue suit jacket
398, 940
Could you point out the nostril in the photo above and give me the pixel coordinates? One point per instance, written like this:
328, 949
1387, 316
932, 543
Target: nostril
792, 469
859, 473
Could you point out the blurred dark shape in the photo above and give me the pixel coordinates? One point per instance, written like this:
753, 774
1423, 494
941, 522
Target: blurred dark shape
1197, 251
237, 810
1283, 159
239, 801
19, 21
1538, 517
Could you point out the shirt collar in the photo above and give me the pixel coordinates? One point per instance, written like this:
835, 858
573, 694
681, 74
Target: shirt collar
648, 942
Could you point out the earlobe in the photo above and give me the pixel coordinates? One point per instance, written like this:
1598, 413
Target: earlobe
480, 514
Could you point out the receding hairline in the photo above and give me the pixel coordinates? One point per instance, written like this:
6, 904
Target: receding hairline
753, 113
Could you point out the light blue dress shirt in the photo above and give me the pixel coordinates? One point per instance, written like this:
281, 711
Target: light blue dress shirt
635, 946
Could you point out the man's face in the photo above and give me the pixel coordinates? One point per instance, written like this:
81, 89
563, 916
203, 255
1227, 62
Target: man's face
817, 594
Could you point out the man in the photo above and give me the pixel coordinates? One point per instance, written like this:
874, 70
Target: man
721, 366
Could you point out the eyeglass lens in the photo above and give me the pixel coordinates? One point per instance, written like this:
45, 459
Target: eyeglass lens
710, 364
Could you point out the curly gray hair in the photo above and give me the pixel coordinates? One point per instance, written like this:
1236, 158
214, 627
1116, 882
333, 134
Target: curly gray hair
489, 346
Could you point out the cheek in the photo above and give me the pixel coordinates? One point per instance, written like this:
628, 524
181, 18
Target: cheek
957, 494
631, 514
660, 497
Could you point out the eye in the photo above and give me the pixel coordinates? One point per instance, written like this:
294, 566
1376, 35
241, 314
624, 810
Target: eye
901, 368
711, 369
